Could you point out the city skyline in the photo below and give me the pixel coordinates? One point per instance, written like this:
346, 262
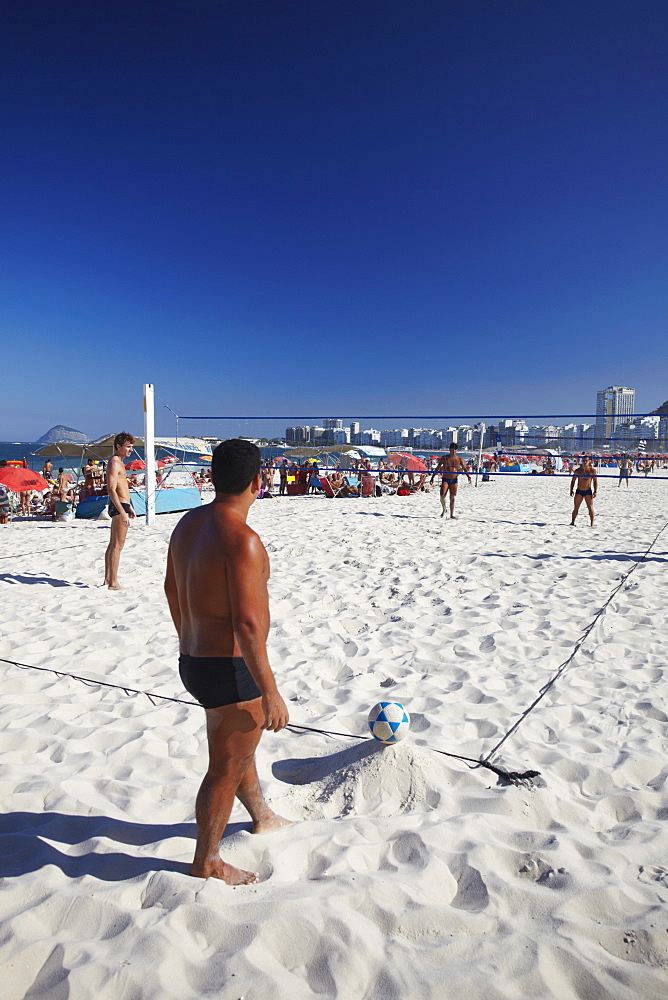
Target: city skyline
616, 424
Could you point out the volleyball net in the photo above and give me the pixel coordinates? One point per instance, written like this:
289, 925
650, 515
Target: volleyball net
600, 436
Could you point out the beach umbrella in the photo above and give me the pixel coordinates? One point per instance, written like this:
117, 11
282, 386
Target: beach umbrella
204, 458
136, 465
409, 462
63, 449
21, 480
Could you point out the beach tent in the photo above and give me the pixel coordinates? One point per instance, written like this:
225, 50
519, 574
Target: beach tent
366, 450
102, 448
61, 449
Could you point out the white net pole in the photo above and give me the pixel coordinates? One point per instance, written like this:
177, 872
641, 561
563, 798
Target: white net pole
149, 452
481, 430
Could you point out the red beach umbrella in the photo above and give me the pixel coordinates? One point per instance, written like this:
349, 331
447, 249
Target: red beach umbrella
20, 480
410, 462
135, 465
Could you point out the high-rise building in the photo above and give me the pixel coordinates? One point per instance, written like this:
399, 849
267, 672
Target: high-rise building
612, 406
394, 438
333, 424
355, 432
297, 435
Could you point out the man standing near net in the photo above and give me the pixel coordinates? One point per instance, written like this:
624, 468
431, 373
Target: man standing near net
216, 587
625, 469
451, 465
585, 475
120, 508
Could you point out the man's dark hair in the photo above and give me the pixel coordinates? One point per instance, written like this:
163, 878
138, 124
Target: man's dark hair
2, 463
122, 438
453, 444
234, 465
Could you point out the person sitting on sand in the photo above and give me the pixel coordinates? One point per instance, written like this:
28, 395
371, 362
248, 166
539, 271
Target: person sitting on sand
347, 488
336, 481
585, 474
216, 587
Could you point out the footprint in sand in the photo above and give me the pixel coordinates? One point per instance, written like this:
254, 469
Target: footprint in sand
542, 873
653, 875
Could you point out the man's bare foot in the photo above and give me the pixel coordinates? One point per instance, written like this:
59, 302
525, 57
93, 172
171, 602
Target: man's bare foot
270, 823
226, 873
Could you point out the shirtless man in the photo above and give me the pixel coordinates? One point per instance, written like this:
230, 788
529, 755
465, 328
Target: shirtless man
216, 587
450, 465
585, 474
120, 508
625, 469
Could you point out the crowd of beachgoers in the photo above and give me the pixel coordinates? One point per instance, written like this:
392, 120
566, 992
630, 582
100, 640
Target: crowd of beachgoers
357, 477
352, 477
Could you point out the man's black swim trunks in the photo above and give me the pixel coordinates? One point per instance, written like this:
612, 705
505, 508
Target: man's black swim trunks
217, 680
113, 509
584, 493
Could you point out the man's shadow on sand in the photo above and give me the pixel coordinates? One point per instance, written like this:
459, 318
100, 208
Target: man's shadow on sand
39, 578
24, 845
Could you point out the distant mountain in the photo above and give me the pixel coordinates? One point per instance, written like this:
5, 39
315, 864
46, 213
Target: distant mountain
60, 433
661, 411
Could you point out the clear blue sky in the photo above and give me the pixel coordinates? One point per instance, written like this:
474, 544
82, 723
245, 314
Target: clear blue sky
309, 207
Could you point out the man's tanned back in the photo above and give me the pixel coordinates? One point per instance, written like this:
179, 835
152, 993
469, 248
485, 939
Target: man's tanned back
203, 546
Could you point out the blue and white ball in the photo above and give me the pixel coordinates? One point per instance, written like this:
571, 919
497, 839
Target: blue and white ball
389, 722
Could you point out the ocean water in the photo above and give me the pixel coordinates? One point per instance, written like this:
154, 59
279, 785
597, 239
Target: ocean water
13, 450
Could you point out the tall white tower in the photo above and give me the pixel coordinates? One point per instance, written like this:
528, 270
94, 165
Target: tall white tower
612, 406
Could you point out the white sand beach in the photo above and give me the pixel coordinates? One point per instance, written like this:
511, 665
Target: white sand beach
408, 874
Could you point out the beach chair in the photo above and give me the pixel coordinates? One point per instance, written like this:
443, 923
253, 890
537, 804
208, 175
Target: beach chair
368, 486
329, 489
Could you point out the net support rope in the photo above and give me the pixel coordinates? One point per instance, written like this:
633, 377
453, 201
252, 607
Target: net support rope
512, 777
578, 646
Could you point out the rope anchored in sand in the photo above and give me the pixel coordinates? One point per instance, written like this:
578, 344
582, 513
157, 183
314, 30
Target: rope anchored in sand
512, 777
